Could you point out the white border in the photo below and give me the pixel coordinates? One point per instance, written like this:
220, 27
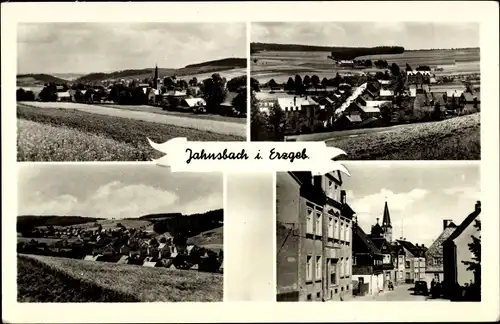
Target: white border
484, 12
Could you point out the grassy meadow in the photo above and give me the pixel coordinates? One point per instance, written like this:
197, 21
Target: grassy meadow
452, 139
51, 279
51, 134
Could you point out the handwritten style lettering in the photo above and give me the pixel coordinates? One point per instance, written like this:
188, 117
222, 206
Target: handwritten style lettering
292, 156
224, 155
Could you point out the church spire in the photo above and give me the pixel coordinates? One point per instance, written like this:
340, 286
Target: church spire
386, 221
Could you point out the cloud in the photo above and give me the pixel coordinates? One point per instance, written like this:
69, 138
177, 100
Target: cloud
398, 201
463, 192
203, 204
114, 199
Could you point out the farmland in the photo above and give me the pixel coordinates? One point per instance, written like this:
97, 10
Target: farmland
52, 279
452, 139
282, 65
51, 134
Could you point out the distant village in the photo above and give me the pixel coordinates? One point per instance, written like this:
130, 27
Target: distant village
324, 255
141, 246
214, 95
370, 98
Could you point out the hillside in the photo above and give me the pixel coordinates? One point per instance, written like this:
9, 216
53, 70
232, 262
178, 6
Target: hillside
51, 279
337, 52
30, 79
209, 239
188, 70
27, 222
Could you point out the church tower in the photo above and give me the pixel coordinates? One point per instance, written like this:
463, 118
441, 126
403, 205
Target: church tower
386, 224
156, 78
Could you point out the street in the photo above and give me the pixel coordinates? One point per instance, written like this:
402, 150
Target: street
400, 293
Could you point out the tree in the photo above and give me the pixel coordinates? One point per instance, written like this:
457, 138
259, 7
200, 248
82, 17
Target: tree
277, 124
254, 85
299, 87
169, 83
163, 240
79, 96
258, 130
272, 84
240, 103
395, 69
436, 114
324, 82
408, 67
20, 94
307, 81
475, 264
236, 83
386, 111
290, 85
49, 93
315, 81
182, 84
193, 82
368, 63
214, 91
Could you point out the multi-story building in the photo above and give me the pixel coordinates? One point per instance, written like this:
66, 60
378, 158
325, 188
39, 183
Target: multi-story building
314, 234
414, 261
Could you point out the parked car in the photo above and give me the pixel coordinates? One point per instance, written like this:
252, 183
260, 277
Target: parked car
421, 288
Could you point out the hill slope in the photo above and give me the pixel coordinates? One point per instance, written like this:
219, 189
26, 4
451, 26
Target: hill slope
338, 52
50, 279
38, 79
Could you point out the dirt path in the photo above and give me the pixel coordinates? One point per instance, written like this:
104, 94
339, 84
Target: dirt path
220, 127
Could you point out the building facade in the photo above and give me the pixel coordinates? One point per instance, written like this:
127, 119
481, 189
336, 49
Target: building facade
314, 234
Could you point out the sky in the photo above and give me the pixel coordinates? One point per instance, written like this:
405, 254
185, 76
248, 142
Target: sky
106, 47
114, 191
419, 196
410, 35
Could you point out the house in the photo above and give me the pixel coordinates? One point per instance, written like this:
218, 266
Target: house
314, 235
398, 254
227, 104
64, 96
456, 251
191, 103
434, 255
348, 120
470, 100
124, 249
386, 94
414, 261
439, 97
305, 107
367, 263
346, 63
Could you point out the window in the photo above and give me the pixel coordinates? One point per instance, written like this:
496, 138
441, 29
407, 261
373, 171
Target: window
309, 297
341, 267
341, 231
330, 227
318, 294
319, 223
407, 264
336, 229
401, 274
309, 268
309, 221
318, 268
347, 233
333, 274
353, 260
347, 267
407, 276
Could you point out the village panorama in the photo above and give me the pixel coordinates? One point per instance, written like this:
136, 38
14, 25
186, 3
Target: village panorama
416, 101
94, 101
132, 233
390, 232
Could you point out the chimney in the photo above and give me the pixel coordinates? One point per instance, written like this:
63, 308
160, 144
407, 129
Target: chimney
416, 244
377, 220
343, 199
294, 101
423, 246
478, 206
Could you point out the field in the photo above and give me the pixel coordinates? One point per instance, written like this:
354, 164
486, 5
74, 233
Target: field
158, 110
282, 65
51, 279
51, 134
213, 239
452, 139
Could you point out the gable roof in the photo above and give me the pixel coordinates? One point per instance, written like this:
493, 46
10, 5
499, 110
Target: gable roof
288, 102
410, 247
362, 242
191, 102
467, 221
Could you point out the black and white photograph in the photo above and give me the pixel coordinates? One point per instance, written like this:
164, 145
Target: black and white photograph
389, 232
118, 233
97, 91
379, 91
